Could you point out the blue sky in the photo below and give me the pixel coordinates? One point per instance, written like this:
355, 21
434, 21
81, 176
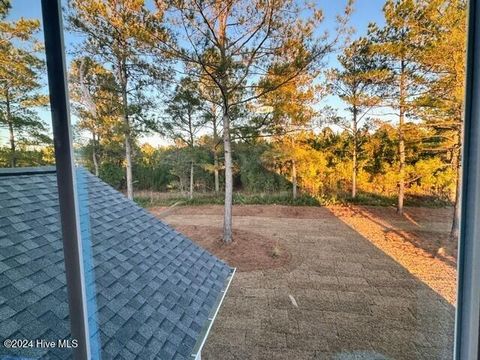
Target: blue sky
366, 11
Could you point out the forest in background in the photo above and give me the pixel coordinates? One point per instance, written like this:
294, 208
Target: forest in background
239, 92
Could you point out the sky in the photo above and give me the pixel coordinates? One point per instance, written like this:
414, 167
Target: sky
365, 11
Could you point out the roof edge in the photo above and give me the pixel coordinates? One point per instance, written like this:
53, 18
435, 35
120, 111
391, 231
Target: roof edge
197, 349
28, 171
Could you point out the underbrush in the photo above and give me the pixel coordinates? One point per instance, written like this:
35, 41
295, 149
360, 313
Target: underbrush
238, 199
150, 199
363, 198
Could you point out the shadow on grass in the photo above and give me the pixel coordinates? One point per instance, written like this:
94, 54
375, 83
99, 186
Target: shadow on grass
416, 320
419, 239
354, 301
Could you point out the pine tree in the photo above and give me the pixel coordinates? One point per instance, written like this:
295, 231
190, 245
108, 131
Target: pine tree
237, 42
290, 111
400, 43
357, 81
184, 120
95, 101
441, 107
117, 34
209, 94
5, 6
20, 82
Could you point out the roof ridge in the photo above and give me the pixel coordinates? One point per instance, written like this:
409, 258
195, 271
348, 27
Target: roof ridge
27, 171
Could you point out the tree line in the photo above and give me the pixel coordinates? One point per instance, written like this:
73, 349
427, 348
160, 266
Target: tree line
238, 87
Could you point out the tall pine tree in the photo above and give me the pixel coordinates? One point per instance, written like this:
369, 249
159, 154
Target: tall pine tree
95, 101
235, 43
117, 34
400, 42
441, 107
357, 81
184, 120
20, 82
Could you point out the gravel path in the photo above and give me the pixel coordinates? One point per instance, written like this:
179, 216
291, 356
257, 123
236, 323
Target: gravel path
342, 296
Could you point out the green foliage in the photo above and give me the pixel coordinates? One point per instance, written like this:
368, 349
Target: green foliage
156, 178
400, 64
285, 198
152, 169
372, 199
323, 166
112, 174
252, 175
5, 6
27, 156
184, 121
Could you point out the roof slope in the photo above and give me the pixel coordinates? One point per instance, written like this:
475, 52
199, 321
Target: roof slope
154, 288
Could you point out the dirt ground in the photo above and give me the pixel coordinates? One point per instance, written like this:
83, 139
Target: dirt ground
352, 282
249, 251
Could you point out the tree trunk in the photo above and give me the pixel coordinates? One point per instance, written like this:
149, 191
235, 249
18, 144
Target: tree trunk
191, 146
294, 180
401, 142
191, 180
401, 182
126, 124
223, 13
354, 154
456, 162
128, 159
180, 184
94, 154
227, 220
456, 208
294, 169
215, 153
13, 153
354, 175
215, 171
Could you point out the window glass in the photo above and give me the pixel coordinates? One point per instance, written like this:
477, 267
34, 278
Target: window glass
34, 317
315, 148
339, 151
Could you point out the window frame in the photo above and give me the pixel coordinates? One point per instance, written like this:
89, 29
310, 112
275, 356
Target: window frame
468, 279
65, 169
468, 284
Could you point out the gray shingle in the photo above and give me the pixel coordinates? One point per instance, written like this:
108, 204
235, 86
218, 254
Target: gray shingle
6, 312
8, 328
152, 286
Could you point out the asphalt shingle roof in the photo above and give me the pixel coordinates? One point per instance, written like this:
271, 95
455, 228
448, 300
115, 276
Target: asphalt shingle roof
153, 288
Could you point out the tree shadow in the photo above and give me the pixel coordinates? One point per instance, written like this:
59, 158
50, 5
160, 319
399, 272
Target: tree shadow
396, 314
426, 239
353, 300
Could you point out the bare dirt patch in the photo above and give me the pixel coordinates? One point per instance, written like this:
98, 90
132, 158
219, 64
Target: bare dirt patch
249, 251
